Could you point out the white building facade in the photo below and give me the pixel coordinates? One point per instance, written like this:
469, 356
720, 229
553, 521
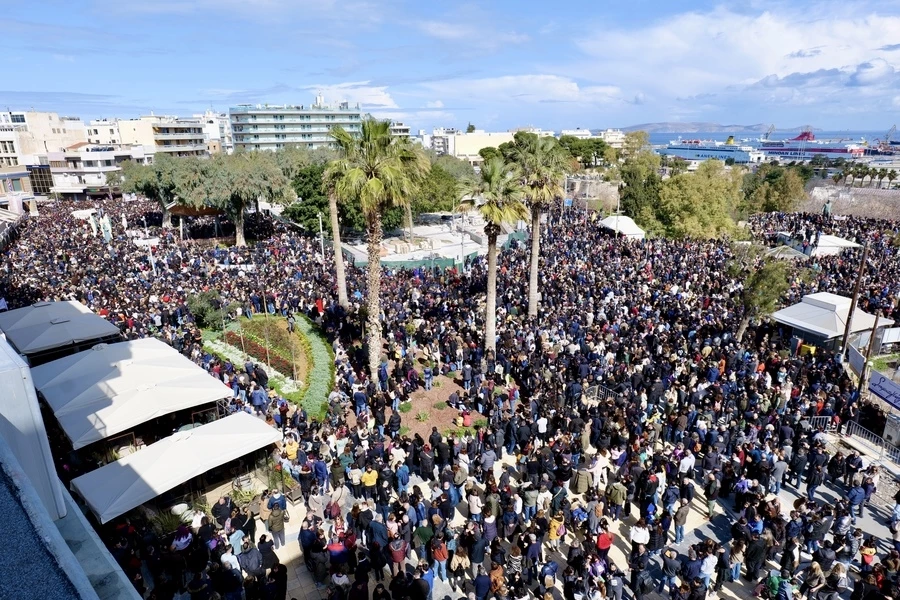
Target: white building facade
269, 127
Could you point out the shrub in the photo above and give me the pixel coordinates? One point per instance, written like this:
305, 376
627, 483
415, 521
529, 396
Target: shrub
406, 407
439, 405
422, 417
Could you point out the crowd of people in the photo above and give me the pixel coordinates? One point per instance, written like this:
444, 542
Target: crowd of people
688, 417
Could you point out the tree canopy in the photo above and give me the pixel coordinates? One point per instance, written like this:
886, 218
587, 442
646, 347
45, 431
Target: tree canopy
772, 188
589, 152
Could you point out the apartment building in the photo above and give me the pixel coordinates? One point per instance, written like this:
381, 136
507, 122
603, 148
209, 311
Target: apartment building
171, 135
270, 127
217, 128
29, 133
399, 130
81, 173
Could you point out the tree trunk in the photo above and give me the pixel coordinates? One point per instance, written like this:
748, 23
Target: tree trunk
745, 322
338, 253
167, 218
535, 259
490, 310
409, 221
239, 239
373, 301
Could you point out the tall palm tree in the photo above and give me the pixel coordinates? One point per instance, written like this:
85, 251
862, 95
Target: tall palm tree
882, 173
891, 176
542, 163
498, 197
380, 174
330, 177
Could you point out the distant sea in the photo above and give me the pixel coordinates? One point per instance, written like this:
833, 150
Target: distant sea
661, 139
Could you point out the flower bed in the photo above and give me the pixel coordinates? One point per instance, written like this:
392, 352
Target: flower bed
285, 385
312, 392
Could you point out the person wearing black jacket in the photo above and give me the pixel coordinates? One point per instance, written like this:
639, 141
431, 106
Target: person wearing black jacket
723, 566
637, 565
754, 556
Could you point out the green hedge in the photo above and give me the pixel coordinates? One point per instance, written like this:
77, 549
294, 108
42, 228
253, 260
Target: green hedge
320, 379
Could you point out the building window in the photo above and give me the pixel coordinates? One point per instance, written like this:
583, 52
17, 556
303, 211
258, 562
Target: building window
17, 185
41, 179
18, 118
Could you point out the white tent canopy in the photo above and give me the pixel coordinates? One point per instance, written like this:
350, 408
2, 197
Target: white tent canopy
825, 315
832, 244
112, 388
624, 226
118, 487
48, 325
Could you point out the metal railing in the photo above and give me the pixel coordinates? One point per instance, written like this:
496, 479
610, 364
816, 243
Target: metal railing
597, 392
877, 445
826, 423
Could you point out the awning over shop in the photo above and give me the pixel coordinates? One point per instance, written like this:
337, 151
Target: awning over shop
118, 487
48, 325
824, 314
112, 388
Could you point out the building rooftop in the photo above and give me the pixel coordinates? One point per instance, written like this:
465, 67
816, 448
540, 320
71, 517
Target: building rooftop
27, 569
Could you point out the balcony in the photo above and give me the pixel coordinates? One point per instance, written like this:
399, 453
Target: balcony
178, 136
182, 148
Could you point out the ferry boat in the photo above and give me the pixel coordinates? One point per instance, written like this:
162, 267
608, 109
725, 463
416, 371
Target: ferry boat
805, 146
699, 150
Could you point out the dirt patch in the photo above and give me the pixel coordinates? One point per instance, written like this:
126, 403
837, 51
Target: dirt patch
434, 403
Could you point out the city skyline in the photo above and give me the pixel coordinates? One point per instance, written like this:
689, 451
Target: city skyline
511, 64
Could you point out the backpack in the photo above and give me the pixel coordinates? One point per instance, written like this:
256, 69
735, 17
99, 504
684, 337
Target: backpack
332, 510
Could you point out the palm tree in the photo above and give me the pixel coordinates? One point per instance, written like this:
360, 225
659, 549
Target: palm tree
542, 164
380, 174
891, 176
882, 173
501, 196
330, 177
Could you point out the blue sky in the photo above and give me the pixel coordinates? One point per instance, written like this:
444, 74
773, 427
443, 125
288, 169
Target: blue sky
497, 64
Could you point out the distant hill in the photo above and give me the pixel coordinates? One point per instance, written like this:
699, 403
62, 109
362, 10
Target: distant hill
696, 127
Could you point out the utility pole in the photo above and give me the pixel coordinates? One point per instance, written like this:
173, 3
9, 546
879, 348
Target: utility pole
866, 370
859, 274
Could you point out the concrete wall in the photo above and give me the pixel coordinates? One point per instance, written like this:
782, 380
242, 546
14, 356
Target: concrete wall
22, 427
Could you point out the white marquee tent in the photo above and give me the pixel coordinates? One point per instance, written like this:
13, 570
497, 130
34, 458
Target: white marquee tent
832, 244
623, 225
112, 388
118, 487
825, 315
49, 325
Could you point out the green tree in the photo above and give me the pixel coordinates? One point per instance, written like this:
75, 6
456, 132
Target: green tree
470, 128
232, 183
377, 173
311, 198
639, 188
635, 141
764, 281
498, 197
542, 162
489, 153
155, 181
699, 204
437, 193
457, 168
589, 152
772, 188
891, 176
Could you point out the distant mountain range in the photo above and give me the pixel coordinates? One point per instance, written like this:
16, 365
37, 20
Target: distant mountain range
698, 127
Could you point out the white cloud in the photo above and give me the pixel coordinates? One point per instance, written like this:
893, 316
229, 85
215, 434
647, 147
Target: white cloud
368, 96
533, 88
435, 104
723, 52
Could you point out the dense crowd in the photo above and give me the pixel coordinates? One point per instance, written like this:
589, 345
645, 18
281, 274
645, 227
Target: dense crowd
685, 412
